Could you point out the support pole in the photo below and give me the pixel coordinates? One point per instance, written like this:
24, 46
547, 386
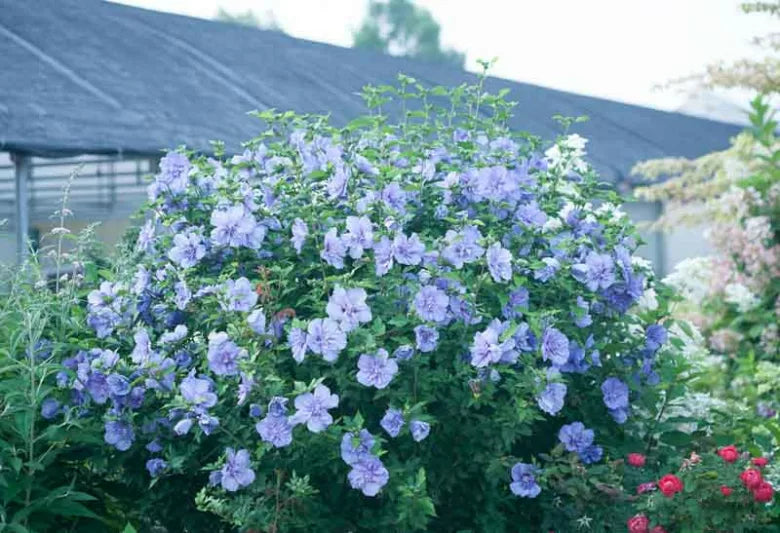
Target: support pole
23, 166
660, 242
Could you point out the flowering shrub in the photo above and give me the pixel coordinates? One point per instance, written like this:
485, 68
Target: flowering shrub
713, 491
732, 295
422, 325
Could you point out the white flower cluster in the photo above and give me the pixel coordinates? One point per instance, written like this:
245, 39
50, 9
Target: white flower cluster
739, 295
691, 278
568, 154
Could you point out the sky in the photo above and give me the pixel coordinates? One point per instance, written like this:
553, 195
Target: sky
617, 49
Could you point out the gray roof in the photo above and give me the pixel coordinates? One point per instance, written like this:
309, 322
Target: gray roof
86, 76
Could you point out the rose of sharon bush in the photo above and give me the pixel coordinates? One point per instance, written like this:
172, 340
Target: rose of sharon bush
379, 327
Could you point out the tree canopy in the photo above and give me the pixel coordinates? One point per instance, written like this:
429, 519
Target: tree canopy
399, 27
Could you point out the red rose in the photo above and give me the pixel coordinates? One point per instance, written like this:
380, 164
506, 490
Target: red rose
751, 478
636, 459
760, 462
658, 529
729, 453
669, 484
638, 524
763, 492
726, 491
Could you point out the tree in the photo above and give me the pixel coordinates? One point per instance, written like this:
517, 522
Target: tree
762, 75
249, 18
399, 27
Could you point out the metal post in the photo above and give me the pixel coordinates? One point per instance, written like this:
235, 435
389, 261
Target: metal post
660, 242
23, 173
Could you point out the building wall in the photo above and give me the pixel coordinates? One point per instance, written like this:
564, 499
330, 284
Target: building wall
107, 189
666, 249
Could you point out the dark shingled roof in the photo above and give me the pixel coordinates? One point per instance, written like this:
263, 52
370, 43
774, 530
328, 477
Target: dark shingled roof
85, 76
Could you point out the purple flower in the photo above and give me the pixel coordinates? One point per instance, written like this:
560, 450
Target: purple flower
462, 247
655, 337
550, 268
365, 166
178, 333
173, 176
333, 250
223, 354
488, 348
337, 183
348, 308
431, 304
156, 466
597, 272
183, 295
119, 434
207, 423
236, 226
183, 426
369, 475
392, 422
236, 472
275, 428
530, 215
619, 415
215, 478
359, 236
326, 338
499, 261
555, 347
591, 454
495, 183
97, 386
394, 197
615, 393
145, 240
383, 256
245, 387
188, 249
376, 370
105, 307
764, 410
198, 392
299, 233
297, 340
582, 318
524, 338
524, 481
257, 322
419, 429
408, 250
312, 408
403, 352
576, 362
518, 302
106, 359
241, 295
353, 448
551, 399
50, 408
118, 385
426, 338
574, 437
